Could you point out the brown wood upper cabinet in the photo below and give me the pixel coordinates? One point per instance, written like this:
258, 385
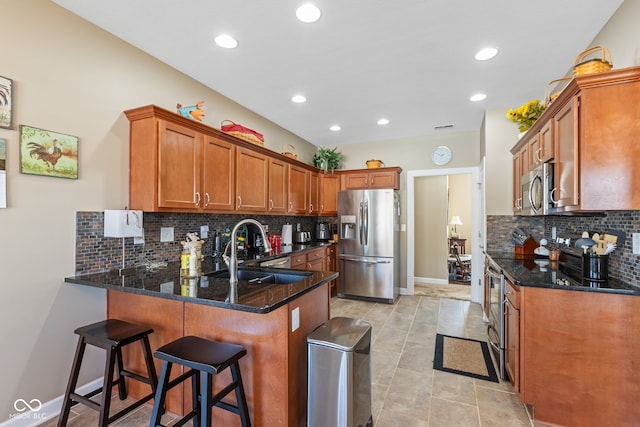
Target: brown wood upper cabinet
371, 178
313, 194
252, 170
594, 135
277, 186
329, 187
297, 183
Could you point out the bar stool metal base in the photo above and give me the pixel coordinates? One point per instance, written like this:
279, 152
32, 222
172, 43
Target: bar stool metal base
111, 335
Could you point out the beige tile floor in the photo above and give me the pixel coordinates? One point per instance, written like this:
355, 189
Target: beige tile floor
406, 391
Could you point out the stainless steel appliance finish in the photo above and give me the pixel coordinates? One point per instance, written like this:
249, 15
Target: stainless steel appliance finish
323, 231
537, 191
282, 262
497, 300
369, 245
339, 374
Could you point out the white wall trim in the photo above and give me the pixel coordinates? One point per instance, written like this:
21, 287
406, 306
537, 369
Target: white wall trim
430, 281
476, 211
47, 410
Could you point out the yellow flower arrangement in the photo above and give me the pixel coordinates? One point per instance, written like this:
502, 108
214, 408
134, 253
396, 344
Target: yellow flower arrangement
526, 115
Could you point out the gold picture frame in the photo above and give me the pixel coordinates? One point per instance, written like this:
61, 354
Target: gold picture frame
48, 153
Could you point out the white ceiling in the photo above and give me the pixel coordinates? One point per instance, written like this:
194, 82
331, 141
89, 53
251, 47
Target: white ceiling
410, 61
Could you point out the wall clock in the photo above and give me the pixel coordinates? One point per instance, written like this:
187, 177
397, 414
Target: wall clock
441, 155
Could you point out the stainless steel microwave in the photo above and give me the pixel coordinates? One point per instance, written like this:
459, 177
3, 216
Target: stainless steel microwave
537, 186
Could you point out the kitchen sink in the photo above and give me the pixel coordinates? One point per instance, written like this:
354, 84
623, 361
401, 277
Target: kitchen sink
265, 276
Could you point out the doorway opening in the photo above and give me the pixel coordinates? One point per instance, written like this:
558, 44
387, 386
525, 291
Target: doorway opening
443, 217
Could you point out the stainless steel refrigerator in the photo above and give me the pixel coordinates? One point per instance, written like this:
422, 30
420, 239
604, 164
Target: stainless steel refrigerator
369, 245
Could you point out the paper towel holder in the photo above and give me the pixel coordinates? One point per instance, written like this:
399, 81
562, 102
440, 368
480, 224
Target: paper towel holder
120, 224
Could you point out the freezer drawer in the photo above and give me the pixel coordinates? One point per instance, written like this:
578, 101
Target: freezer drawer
368, 278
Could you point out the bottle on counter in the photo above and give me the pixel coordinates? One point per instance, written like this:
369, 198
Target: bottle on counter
184, 261
193, 262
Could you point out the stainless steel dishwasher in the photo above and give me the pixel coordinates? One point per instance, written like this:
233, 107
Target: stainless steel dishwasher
282, 262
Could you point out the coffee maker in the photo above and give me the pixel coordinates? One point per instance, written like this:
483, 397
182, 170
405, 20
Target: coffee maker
323, 231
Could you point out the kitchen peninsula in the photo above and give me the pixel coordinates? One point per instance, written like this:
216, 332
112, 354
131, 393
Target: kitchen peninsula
271, 321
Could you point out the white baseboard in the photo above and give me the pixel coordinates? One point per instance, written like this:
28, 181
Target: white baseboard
44, 411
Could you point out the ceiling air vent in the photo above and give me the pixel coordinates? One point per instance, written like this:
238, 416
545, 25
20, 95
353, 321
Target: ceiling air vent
443, 127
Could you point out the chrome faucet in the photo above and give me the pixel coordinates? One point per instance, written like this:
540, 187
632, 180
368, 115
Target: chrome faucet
233, 256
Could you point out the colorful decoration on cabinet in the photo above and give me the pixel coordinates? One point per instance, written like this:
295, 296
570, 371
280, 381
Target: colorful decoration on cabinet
48, 153
192, 112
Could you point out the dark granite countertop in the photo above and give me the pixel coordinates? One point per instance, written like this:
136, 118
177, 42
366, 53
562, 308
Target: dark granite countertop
165, 282
540, 272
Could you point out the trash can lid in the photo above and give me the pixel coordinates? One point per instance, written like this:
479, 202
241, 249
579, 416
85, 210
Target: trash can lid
342, 333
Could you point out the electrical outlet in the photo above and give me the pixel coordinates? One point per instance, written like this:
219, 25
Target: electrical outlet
166, 234
204, 231
295, 319
139, 240
636, 243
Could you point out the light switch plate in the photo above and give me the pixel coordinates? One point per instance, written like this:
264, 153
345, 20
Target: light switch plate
166, 234
204, 231
295, 319
636, 243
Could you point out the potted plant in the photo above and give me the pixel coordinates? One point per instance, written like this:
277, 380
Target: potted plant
327, 158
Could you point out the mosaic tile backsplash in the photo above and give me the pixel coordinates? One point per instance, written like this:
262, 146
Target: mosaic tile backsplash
623, 264
95, 253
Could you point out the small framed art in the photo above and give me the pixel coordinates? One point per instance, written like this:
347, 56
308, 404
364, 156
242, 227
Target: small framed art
44, 152
6, 102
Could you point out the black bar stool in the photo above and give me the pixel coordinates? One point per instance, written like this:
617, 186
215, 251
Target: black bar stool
111, 335
205, 358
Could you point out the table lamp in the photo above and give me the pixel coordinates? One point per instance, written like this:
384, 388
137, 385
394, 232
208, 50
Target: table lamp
455, 221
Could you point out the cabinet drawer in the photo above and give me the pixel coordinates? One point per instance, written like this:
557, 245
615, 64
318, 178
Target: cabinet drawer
316, 254
299, 260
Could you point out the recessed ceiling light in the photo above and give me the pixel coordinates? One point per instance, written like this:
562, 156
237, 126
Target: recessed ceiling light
478, 97
486, 53
383, 121
298, 99
308, 13
226, 41
335, 128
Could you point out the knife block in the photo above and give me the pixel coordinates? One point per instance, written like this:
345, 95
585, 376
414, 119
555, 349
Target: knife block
525, 251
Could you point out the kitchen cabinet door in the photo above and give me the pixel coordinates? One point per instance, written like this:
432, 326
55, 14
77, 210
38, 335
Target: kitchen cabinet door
517, 183
297, 178
566, 174
512, 334
314, 184
251, 181
218, 175
277, 186
329, 187
178, 166
546, 149
378, 178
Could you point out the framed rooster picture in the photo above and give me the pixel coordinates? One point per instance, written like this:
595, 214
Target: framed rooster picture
43, 152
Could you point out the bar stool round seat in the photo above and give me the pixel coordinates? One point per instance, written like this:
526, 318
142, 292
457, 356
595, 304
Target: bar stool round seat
111, 335
205, 358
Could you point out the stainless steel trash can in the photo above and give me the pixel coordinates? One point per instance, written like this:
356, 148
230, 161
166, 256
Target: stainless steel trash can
339, 376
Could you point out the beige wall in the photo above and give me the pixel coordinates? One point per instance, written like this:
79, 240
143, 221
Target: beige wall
430, 227
460, 204
69, 76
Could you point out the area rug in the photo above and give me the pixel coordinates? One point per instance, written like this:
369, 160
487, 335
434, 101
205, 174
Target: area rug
464, 356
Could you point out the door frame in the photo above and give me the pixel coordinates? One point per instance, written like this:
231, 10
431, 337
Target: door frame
476, 226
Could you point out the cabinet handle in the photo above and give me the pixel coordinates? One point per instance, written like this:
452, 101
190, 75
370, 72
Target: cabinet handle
197, 198
290, 206
239, 202
372, 180
365, 181
270, 204
554, 201
206, 204
321, 208
539, 155
311, 207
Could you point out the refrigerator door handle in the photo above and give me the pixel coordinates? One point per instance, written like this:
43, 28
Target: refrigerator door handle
360, 223
366, 222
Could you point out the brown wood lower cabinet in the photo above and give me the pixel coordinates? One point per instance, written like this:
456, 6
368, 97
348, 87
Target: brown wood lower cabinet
274, 371
580, 357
